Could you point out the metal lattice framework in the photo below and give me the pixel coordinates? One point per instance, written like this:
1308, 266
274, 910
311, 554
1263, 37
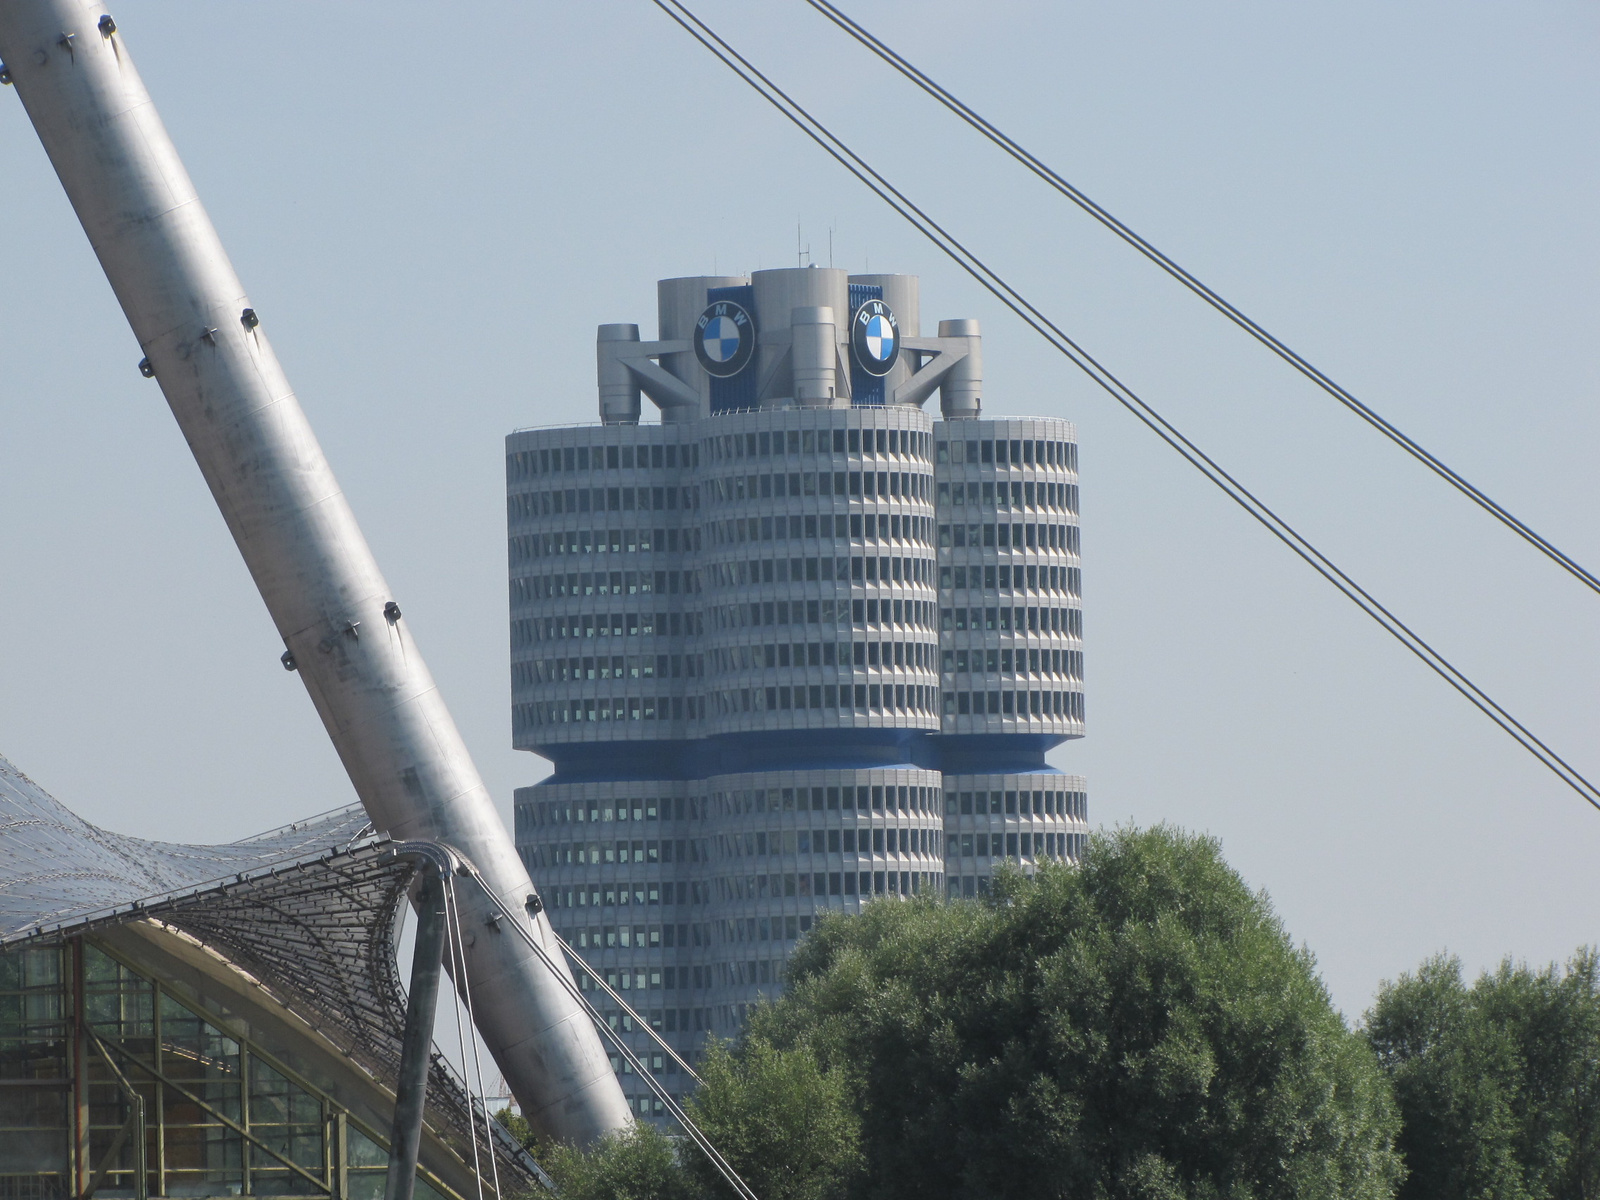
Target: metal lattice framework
308, 910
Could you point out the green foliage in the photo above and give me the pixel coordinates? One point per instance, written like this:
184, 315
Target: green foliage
788, 1127
1138, 1027
516, 1125
1498, 1084
640, 1164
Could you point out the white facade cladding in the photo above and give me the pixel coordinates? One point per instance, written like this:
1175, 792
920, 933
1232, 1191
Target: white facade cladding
798, 646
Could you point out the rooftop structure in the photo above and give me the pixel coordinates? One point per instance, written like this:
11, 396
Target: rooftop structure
796, 647
211, 1020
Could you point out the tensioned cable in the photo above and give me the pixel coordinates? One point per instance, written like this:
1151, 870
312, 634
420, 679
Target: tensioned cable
458, 962
1045, 172
1124, 395
563, 976
482, 1098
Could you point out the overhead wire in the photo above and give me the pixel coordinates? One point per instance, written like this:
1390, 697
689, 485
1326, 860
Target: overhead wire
457, 955
997, 286
1276, 345
481, 1099
563, 976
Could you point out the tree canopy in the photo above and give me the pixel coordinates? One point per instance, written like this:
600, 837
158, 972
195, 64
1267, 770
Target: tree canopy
1498, 1084
1138, 1026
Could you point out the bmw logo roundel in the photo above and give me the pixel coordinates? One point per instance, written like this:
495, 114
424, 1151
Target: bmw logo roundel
875, 337
724, 338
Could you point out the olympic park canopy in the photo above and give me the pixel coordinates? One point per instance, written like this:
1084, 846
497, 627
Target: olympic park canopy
213, 1020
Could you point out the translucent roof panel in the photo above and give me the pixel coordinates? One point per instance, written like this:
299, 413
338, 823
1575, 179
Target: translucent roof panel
56, 868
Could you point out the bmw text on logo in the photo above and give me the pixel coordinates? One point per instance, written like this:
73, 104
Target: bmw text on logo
875, 337
724, 339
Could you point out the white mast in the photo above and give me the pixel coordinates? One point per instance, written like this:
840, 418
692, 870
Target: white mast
203, 341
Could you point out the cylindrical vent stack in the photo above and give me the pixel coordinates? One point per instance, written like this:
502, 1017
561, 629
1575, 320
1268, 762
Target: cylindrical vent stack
961, 394
619, 391
815, 356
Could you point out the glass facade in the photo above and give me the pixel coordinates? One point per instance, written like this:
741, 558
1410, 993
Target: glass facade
109, 1081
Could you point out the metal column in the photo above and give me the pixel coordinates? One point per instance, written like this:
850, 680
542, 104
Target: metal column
411, 1089
207, 348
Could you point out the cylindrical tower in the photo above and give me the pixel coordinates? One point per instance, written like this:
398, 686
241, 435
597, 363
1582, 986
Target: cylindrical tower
1011, 639
799, 654
818, 567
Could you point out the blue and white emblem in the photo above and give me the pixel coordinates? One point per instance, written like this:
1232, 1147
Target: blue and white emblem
724, 338
875, 337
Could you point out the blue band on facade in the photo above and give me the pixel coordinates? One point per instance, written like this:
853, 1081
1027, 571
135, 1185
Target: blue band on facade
800, 750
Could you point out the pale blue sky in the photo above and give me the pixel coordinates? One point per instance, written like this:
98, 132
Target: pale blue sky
433, 207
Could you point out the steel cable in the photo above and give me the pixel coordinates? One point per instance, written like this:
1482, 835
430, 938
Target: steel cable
563, 976
1018, 304
1045, 172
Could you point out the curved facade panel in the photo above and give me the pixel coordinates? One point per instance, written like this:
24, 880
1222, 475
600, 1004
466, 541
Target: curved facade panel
1010, 578
798, 626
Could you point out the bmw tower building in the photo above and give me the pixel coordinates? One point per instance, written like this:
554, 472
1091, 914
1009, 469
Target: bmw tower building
797, 647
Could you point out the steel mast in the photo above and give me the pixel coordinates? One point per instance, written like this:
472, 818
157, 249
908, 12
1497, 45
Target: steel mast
344, 631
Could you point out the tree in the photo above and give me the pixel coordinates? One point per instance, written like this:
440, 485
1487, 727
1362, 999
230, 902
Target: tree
1497, 1084
788, 1127
1137, 1027
641, 1164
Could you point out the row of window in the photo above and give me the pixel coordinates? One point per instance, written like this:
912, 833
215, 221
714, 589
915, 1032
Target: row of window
637, 937
1007, 536
1012, 845
603, 811
1068, 705
876, 797
862, 697
604, 583
907, 443
1010, 494
529, 546
525, 464
891, 526
969, 886
1002, 577
759, 843
572, 670
525, 631
1010, 451
741, 572
621, 708
917, 655
1042, 803
993, 661
859, 485
1012, 620
761, 929
525, 506
620, 894
876, 569
873, 697
821, 883
916, 613
666, 850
